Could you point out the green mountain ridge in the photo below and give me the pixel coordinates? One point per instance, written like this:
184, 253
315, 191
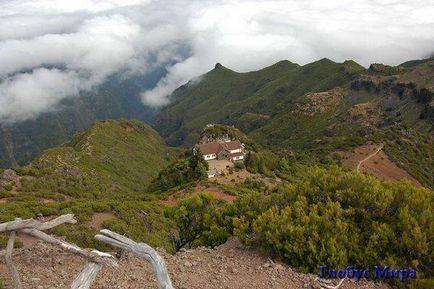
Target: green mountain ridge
315, 109
111, 157
245, 100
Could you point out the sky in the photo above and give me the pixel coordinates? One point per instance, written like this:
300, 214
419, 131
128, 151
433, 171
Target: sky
56, 49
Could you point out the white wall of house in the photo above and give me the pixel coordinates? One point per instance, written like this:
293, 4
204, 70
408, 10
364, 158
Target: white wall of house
235, 151
238, 158
209, 157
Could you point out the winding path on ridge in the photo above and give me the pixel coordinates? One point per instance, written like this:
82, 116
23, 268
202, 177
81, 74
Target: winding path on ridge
370, 156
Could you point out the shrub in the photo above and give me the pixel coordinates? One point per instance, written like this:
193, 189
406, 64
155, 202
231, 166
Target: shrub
338, 218
239, 166
423, 95
198, 221
181, 172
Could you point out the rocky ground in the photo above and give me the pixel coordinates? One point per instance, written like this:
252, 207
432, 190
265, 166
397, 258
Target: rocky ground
229, 266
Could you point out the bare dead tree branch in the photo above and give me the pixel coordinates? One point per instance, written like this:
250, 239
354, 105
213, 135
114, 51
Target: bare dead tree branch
142, 250
91, 255
10, 265
95, 259
325, 286
19, 224
87, 276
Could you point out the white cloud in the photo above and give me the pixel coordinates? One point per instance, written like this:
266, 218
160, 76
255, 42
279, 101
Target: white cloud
27, 94
247, 35
89, 40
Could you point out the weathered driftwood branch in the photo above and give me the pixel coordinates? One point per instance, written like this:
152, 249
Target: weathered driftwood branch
95, 259
10, 265
142, 250
323, 285
19, 224
91, 255
87, 276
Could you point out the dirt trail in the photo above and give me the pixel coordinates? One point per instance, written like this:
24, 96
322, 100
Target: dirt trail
229, 266
370, 156
98, 219
371, 159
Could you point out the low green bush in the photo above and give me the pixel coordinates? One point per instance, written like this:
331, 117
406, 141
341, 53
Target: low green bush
338, 218
199, 222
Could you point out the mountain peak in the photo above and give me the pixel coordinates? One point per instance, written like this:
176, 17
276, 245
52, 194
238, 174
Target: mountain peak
218, 65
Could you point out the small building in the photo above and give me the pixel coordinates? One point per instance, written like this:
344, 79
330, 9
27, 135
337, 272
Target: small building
210, 151
236, 156
230, 150
233, 146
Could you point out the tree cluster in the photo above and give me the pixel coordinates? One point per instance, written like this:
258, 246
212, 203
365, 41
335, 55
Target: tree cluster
181, 172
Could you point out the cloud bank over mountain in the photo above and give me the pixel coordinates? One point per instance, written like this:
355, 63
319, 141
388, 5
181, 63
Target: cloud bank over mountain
54, 49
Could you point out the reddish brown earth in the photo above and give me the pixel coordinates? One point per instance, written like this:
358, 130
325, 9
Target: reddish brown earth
371, 159
229, 266
98, 220
216, 192
27, 240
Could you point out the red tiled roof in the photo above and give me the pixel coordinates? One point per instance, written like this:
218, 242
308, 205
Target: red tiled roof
209, 148
232, 145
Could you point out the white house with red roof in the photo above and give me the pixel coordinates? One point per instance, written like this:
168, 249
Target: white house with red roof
229, 150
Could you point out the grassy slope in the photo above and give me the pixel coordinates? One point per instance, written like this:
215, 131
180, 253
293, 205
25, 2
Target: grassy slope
421, 74
105, 169
293, 129
123, 156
